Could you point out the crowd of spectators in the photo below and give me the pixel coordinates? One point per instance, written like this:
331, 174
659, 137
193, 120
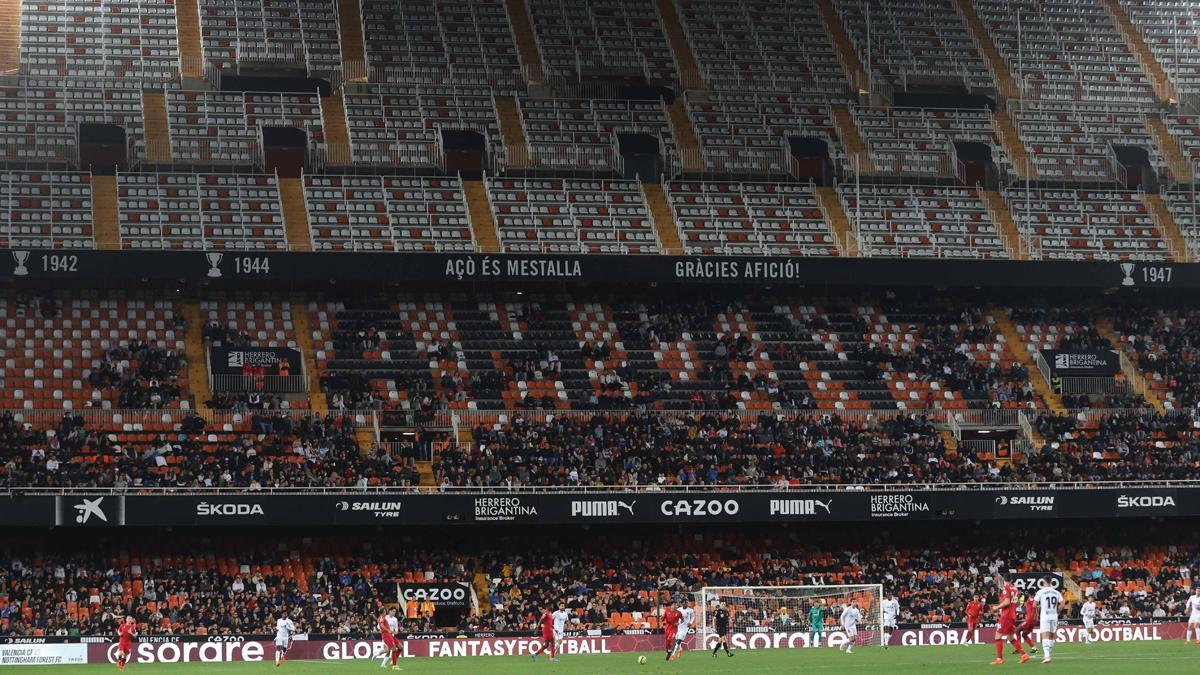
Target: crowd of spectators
275, 451
144, 375
273, 448
68, 590
944, 355
1164, 345
706, 449
179, 584
634, 572
1141, 445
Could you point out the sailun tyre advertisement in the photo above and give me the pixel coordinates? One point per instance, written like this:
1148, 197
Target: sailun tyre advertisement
254, 648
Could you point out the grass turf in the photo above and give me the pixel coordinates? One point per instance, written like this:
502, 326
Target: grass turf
1124, 658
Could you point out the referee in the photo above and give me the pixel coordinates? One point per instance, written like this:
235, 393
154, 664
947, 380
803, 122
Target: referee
721, 628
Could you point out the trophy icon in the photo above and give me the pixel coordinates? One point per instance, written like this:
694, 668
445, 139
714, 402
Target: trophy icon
1128, 268
20, 257
214, 264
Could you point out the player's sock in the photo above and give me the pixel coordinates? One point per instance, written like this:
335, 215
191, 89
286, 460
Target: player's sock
277, 656
1016, 642
716, 648
1047, 645
999, 650
727, 649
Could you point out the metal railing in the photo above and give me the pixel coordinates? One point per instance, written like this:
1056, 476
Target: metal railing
1072, 384
263, 384
134, 420
612, 489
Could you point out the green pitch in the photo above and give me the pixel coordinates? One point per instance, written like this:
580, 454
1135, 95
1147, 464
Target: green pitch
1123, 658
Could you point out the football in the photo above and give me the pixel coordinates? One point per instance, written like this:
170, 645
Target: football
641, 660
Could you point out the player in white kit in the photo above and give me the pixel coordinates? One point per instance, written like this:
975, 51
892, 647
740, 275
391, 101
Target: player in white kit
891, 610
685, 626
284, 629
1048, 600
1088, 613
561, 617
1193, 612
849, 621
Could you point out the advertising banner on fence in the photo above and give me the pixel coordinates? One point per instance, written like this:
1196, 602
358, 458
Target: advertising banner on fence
239, 360
1029, 582
616, 508
215, 267
229, 648
43, 654
1101, 363
452, 595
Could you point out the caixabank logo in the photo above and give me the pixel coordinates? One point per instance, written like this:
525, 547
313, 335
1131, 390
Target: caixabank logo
89, 511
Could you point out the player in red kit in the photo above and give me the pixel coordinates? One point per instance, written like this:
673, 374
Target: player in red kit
1029, 624
670, 622
974, 614
546, 621
388, 624
125, 634
1010, 597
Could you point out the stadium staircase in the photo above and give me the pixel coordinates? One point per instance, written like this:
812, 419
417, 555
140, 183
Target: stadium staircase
1013, 147
835, 217
1179, 167
365, 438
106, 225
157, 127
337, 135
523, 35
482, 585
848, 134
187, 26
1170, 229
350, 35
425, 470
194, 349
10, 36
1141, 51
1071, 589
1009, 331
1133, 374
512, 131
685, 60
1005, 84
295, 214
1006, 225
848, 56
664, 221
316, 398
950, 441
685, 136
483, 221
